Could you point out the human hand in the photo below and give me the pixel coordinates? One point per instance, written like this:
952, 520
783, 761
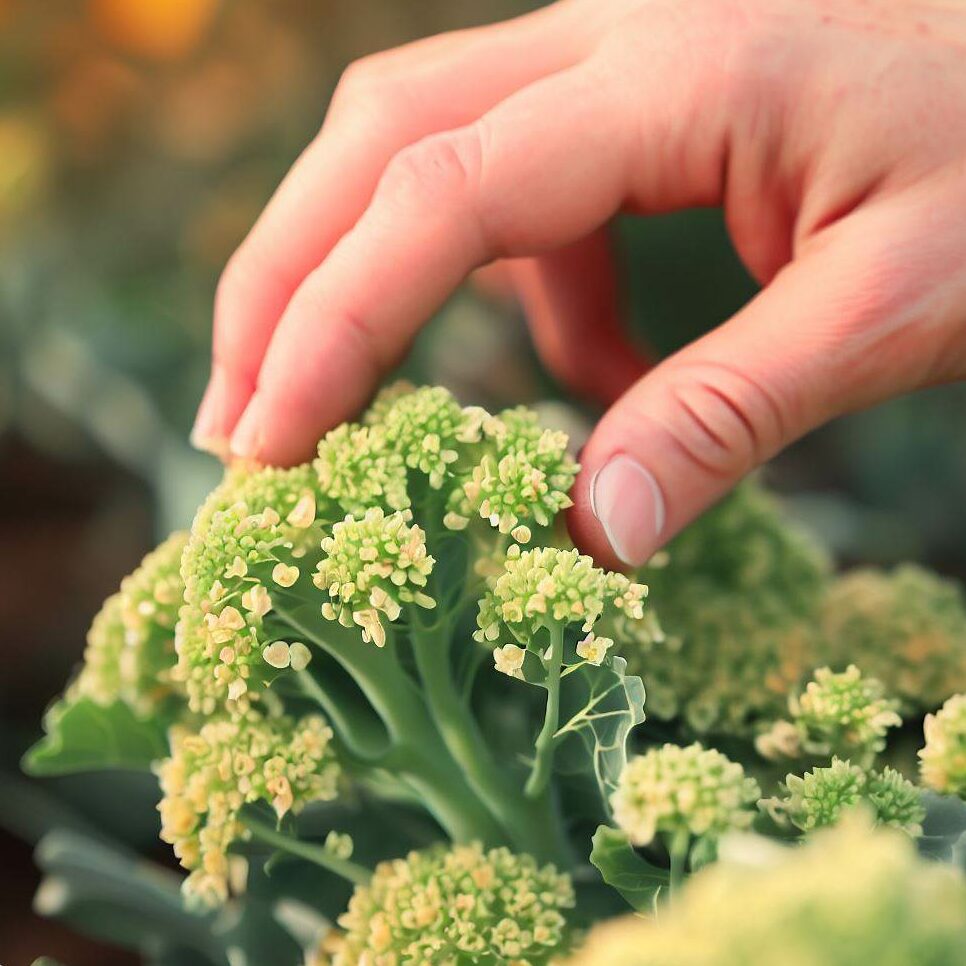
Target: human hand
833, 133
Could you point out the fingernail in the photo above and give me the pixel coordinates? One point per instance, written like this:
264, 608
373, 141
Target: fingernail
207, 434
246, 441
628, 502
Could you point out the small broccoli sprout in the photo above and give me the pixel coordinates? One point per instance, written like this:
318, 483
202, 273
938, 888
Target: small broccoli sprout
523, 477
359, 469
943, 760
213, 772
683, 792
845, 715
821, 796
460, 904
247, 547
905, 627
427, 427
850, 895
371, 567
547, 587
130, 647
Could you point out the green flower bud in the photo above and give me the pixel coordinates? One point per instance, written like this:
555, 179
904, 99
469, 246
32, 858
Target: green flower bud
371, 567
943, 760
694, 790
130, 647
359, 468
249, 526
844, 714
458, 905
213, 772
545, 586
821, 796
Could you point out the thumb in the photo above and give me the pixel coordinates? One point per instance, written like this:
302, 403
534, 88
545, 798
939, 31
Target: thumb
832, 332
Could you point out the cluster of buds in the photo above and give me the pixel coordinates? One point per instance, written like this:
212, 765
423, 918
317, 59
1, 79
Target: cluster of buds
460, 904
674, 790
523, 478
250, 541
213, 772
371, 567
943, 759
130, 647
845, 715
545, 586
821, 796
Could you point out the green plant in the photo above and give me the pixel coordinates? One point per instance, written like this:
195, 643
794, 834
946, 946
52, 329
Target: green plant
388, 709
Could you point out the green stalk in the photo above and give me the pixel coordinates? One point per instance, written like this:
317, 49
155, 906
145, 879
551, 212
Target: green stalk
531, 826
351, 871
415, 752
678, 850
360, 731
546, 740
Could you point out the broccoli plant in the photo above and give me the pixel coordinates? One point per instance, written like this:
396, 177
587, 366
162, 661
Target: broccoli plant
388, 708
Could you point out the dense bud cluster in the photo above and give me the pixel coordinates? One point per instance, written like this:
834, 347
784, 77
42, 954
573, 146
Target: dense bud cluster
523, 477
213, 772
843, 714
943, 760
820, 797
537, 588
906, 628
692, 790
130, 646
736, 594
851, 895
370, 567
251, 539
458, 905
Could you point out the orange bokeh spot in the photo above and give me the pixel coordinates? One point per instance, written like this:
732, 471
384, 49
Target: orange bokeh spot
157, 29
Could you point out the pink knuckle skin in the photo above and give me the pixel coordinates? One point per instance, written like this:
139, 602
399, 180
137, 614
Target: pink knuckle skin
442, 168
725, 422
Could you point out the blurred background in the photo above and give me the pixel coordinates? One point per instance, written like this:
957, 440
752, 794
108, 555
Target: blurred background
138, 141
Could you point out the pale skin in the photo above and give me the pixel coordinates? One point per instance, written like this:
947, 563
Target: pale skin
831, 132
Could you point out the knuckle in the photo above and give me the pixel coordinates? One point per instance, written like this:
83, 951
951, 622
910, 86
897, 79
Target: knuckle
369, 86
725, 421
440, 168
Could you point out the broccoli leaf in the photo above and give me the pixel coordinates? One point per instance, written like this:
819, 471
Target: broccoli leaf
599, 707
944, 829
108, 893
623, 869
83, 736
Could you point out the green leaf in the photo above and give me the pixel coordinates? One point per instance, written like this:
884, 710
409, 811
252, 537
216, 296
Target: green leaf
84, 736
944, 829
114, 895
599, 707
623, 869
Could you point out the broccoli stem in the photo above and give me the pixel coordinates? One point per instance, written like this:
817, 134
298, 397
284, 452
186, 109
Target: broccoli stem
547, 739
532, 826
415, 751
351, 871
360, 732
678, 851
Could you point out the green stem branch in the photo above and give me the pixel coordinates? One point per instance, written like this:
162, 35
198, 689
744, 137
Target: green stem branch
351, 871
678, 850
547, 739
532, 826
